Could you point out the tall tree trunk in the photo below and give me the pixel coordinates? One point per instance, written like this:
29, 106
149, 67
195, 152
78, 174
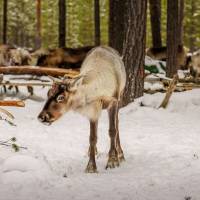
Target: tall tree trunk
38, 40
192, 30
116, 24
180, 21
5, 7
62, 23
155, 12
97, 23
172, 36
134, 48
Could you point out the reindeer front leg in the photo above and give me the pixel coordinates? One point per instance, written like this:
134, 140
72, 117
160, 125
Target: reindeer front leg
91, 167
113, 160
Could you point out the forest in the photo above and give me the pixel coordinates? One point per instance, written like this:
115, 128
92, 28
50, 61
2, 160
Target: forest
80, 26
99, 99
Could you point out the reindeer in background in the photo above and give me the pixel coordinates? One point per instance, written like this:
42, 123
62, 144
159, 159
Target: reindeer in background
61, 57
99, 86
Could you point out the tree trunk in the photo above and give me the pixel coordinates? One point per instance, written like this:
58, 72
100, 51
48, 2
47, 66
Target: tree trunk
155, 12
180, 21
192, 30
5, 7
38, 40
172, 37
134, 48
97, 23
116, 24
62, 23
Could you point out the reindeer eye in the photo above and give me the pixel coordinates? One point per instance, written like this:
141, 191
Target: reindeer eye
60, 98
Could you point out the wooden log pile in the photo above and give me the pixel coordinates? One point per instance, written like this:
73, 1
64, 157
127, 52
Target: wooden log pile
181, 86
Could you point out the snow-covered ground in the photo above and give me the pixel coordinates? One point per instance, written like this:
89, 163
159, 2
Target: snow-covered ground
162, 150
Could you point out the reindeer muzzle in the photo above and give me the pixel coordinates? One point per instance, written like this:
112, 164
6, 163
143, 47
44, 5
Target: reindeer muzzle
45, 118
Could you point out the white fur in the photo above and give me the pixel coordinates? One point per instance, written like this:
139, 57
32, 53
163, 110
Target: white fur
104, 77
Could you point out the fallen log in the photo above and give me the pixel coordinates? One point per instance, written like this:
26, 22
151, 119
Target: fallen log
39, 71
12, 103
169, 92
189, 80
26, 84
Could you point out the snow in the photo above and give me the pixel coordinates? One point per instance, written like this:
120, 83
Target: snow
153, 86
161, 146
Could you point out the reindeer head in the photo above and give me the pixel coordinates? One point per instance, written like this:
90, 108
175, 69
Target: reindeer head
62, 97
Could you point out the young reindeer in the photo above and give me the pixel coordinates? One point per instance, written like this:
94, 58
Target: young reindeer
99, 86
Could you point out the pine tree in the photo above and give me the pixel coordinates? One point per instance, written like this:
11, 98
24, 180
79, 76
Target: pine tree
62, 23
5, 8
116, 24
97, 23
172, 34
134, 48
155, 12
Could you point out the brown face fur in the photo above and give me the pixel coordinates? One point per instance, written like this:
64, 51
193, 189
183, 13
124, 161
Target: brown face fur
59, 101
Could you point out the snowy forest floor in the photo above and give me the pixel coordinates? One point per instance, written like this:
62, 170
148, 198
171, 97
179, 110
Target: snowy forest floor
162, 150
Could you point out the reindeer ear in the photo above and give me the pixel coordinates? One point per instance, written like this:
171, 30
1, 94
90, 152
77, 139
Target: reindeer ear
75, 83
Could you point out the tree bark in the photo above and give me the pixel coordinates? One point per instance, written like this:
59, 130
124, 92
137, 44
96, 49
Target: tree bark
172, 37
97, 23
192, 30
116, 24
62, 23
5, 7
134, 48
180, 21
155, 13
38, 40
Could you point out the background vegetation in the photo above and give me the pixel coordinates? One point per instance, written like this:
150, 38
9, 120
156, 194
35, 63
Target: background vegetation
80, 23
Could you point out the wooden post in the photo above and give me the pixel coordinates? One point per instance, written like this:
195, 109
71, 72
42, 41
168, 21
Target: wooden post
169, 92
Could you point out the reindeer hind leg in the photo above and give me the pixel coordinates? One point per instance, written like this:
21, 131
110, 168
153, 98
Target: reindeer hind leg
118, 144
113, 160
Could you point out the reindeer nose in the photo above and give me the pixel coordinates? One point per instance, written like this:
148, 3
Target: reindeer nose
43, 117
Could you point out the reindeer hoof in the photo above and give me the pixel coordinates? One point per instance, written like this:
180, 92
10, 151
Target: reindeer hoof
121, 157
91, 168
113, 162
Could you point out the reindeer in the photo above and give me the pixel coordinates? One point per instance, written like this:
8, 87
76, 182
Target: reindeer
161, 54
4, 54
193, 63
64, 57
99, 85
19, 56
